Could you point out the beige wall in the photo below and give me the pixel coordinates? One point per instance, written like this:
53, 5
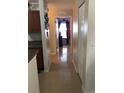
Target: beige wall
52, 39
53, 13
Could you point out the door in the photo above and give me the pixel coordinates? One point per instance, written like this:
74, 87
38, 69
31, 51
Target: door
82, 39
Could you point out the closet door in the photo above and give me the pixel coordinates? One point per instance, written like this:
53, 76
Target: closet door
82, 42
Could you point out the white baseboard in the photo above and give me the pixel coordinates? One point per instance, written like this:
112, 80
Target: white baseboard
48, 69
83, 90
89, 92
74, 66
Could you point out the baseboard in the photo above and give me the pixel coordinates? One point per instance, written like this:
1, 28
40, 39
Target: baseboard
46, 70
49, 66
89, 92
83, 90
52, 53
74, 66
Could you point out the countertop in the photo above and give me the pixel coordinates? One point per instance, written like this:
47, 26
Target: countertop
34, 44
31, 54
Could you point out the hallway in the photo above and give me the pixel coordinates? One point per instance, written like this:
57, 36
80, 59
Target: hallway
62, 77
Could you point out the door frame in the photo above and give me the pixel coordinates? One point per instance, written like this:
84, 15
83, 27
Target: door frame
43, 35
71, 30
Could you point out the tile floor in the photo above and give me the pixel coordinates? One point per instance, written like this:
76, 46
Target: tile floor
62, 77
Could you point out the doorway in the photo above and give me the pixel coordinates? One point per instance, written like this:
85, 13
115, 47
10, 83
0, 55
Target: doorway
63, 31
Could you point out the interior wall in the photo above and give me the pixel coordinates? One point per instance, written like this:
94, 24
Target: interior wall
75, 34
52, 39
90, 60
34, 37
53, 13
88, 66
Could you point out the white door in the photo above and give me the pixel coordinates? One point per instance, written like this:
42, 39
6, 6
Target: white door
82, 39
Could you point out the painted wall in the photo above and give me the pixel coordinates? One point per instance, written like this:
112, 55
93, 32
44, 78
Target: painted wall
34, 36
75, 34
53, 13
52, 39
34, 6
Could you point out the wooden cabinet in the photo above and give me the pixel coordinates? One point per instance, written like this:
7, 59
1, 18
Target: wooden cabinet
34, 21
40, 63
